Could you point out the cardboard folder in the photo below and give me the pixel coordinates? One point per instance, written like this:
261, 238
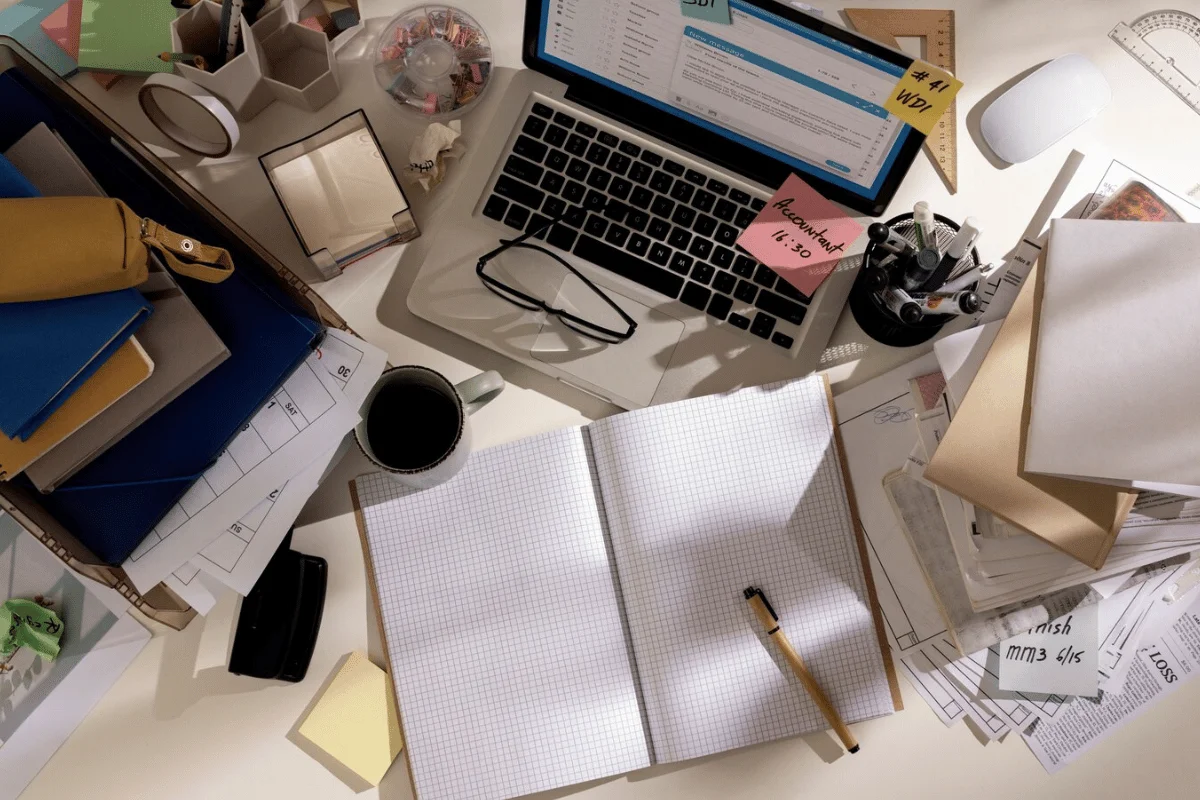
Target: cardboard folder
982, 455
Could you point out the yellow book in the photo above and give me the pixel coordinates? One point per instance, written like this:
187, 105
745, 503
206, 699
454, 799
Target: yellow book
127, 368
355, 721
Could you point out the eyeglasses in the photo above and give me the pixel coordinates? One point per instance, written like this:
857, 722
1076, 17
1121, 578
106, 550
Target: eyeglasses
603, 320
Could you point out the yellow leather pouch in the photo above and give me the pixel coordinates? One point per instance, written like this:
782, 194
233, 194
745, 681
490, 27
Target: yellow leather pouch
53, 247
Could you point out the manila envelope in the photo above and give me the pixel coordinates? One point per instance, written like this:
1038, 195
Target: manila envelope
981, 457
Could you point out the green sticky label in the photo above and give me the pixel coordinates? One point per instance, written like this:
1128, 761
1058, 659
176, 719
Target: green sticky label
708, 10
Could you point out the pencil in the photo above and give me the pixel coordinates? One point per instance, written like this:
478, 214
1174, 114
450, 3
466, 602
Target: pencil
770, 622
187, 58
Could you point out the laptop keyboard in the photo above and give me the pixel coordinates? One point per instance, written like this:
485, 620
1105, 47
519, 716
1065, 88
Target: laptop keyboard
643, 216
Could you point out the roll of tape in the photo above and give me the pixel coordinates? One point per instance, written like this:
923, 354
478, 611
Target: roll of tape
205, 103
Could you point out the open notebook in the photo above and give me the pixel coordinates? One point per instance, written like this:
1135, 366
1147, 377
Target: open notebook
569, 607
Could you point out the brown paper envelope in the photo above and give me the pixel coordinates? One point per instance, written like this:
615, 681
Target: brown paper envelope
981, 457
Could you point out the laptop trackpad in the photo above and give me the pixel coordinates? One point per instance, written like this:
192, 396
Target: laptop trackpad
631, 369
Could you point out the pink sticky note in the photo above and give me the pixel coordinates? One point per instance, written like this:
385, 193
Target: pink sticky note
800, 235
58, 27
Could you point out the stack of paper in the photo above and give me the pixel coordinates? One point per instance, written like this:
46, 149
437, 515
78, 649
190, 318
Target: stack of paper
991, 622
231, 531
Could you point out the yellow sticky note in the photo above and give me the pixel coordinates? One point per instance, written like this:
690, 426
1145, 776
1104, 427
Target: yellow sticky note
356, 721
922, 95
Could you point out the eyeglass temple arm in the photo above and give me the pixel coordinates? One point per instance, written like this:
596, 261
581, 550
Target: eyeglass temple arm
507, 243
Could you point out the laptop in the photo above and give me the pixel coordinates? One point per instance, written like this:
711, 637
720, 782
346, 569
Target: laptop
640, 143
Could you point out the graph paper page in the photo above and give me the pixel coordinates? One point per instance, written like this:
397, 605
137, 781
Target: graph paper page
505, 636
704, 498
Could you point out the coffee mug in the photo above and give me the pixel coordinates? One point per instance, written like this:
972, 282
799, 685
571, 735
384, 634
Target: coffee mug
416, 424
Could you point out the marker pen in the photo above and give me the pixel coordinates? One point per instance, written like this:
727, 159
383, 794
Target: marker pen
923, 223
887, 239
919, 269
875, 278
967, 235
958, 304
901, 304
962, 282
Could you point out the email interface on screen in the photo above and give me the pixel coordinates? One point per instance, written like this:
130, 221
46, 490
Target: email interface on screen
785, 90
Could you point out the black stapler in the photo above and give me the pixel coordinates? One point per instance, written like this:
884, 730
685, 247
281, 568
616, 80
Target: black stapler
281, 617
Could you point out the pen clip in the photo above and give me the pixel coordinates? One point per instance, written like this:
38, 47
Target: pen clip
765, 602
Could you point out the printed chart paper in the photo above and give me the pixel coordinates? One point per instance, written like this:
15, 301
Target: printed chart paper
1161, 666
239, 555
305, 418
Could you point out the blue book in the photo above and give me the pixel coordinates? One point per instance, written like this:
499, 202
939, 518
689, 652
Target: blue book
112, 504
13, 183
48, 349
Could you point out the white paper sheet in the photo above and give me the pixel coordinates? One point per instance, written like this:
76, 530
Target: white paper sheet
878, 432
502, 624
41, 703
239, 555
1159, 667
700, 504
307, 417
198, 590
1137, 613
1056, 657
961, 354
1113, 386
942, 697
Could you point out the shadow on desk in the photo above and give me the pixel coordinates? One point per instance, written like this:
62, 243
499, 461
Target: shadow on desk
181, 684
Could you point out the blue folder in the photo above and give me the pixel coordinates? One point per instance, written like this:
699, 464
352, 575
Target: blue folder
114, 503
48, 349
13, 183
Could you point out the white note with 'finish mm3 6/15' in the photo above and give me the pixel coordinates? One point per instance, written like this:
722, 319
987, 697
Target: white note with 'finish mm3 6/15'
1057, 657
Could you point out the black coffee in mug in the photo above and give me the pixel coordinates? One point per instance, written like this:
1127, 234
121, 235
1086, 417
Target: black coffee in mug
412, 425
416, 425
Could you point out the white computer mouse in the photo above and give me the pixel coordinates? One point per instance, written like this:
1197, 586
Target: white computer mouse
1044, 107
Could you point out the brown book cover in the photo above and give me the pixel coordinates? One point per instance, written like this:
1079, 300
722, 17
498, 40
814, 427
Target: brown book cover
981, 457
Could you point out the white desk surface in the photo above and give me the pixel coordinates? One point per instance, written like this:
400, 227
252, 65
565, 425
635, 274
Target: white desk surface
178, 725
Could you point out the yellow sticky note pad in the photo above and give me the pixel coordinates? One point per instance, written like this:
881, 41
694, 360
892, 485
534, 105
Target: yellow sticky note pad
923, 95
355, 721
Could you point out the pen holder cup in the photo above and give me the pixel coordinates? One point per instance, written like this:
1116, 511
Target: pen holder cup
239, 82
872, 313
299, 66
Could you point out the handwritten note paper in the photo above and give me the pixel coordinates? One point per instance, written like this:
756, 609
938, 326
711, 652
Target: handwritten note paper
800, 235
1058, 657
922, 95
708, 10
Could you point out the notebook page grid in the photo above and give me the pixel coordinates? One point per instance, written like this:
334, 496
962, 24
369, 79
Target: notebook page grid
503, 630
711, 495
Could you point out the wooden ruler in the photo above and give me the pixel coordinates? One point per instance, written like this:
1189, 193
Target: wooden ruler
936, 28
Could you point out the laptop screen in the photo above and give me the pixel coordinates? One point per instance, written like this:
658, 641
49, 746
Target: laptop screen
770, 84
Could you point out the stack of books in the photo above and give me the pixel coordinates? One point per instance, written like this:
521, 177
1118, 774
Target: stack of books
1030, 490
81, 372
173, 427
